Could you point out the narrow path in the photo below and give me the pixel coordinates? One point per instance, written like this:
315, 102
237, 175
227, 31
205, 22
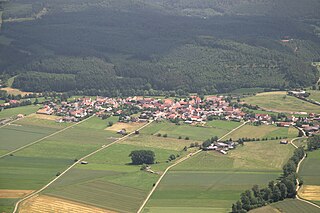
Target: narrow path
298, 168
10, 122
235, 129
176, 163
41, 139
73, 165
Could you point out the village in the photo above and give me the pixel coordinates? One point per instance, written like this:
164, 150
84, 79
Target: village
190, 111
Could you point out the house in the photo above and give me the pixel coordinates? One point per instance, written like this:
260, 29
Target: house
223, 152
122, 131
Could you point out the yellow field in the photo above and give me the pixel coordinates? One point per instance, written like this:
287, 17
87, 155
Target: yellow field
128, 126
45, 117
310, 192
48, 204
4, 193
12, 91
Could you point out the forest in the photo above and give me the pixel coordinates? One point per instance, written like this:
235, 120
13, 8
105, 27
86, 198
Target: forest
149, 46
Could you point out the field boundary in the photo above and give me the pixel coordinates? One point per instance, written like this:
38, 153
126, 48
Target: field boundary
41, 139
298, 168
176, 163
74, 164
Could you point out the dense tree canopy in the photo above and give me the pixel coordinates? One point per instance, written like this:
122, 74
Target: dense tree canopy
139, 157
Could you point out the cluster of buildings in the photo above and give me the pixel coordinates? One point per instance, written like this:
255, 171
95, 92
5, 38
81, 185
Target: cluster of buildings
222, 147
191, 110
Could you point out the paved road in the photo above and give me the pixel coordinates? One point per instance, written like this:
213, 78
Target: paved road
73, 165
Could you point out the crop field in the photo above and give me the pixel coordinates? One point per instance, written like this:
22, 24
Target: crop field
215, 128
263, 131
310, 169
310, 173
25, 131
287, 206
52, 204
109, 180
6, 204
13, 91
281, 102
25, 110
211, 182
129, 127
34, 166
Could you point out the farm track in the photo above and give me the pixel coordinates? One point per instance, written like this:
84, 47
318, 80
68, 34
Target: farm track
41, 139
298, 168
73, 165
176, 163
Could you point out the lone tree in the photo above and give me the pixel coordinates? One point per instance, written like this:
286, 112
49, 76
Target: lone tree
139, 157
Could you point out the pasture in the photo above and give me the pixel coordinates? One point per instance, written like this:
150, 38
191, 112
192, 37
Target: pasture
281, 102
263, 131
214, 128
211, 182
13, 112
287, 206
314, 95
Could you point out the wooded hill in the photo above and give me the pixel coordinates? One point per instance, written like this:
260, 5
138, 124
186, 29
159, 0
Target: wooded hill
114, 47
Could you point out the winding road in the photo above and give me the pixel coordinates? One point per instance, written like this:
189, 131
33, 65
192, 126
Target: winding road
298, 168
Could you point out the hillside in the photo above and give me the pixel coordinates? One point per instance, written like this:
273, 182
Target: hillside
127, 47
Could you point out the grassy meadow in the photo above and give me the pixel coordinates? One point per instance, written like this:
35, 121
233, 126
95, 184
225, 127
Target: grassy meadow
314, 95
281, 102
201, 133
263, 131
25, 110
211, 182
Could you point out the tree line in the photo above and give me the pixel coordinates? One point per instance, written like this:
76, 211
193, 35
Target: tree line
274, 192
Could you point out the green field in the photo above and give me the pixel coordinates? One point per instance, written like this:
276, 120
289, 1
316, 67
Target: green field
213, 128
281, 102
314, 95
287, 206
25, 110
310, 168
34, 166
25, 131
263, 131
109, 181
211, 182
